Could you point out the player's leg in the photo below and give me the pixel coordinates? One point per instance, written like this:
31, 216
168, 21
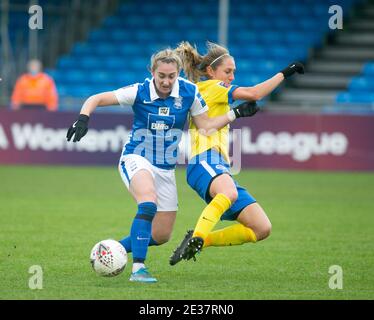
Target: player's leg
253, 226
162, 227
138, 177
126, 241
143, 190
209, 177
254, 217
223, 193
167, 205
219, 190
167, 200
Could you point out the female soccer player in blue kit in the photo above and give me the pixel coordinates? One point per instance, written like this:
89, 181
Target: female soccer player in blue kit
208, 172
161, 106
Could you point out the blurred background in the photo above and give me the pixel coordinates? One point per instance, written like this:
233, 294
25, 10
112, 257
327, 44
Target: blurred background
88, 46
91, 46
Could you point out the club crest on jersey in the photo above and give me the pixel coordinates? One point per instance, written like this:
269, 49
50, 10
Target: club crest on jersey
178, 103
163, 111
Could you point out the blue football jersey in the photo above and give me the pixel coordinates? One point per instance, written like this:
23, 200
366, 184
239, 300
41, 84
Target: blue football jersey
158, 123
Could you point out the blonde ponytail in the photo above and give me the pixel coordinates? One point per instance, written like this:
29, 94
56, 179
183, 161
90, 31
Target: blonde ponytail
191, 61
194, 64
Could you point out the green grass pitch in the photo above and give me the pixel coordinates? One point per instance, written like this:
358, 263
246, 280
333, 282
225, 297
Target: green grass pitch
52, 216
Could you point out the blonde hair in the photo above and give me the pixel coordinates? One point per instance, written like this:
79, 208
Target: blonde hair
194, 64
166, 56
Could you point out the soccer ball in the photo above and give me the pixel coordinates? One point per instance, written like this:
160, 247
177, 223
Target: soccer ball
108, 258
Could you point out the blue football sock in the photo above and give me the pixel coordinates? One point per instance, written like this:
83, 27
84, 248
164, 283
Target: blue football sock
141, 230
126, 242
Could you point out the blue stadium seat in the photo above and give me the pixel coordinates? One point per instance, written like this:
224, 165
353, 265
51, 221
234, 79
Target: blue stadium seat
151, 8
271, 38
114, 63
118, 52
185, 22
113, 22
98, 35
67, 62
81, 91
347, 97
244, 37
145, 35
362, 84
283, 23
105, 49
259, 23
75, 76
274, 9
89, 62
62, 91
159, 22
299, 10
278, 51
120, 35
134, 21
81, 48
369, 69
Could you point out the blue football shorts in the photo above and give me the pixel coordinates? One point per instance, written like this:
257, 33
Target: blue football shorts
203, 169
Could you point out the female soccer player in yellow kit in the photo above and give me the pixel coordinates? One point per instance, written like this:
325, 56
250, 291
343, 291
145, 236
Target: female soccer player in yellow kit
208, 171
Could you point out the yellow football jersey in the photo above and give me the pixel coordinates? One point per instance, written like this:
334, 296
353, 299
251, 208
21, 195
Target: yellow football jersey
218, 97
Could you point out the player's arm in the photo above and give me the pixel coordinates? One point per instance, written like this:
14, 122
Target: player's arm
99, 100
262, 89
208, 125
124, 96
80, 127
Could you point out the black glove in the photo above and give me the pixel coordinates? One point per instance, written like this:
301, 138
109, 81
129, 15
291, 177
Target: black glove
79, 127
246, 109
292, 68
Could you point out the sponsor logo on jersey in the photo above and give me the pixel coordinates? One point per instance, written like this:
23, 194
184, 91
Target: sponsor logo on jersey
159, 126
163, 111
178, 103
222, 84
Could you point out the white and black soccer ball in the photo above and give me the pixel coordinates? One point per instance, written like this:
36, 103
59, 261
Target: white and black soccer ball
108, 258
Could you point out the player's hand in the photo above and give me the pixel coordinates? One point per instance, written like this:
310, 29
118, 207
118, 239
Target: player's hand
246, 109
293, 68
79, 128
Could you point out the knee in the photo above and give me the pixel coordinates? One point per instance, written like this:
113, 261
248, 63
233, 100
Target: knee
148, 195
161, 238
232, 194
263, 231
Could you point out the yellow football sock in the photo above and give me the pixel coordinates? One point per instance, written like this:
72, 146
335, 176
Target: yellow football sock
230, 236
211, 214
